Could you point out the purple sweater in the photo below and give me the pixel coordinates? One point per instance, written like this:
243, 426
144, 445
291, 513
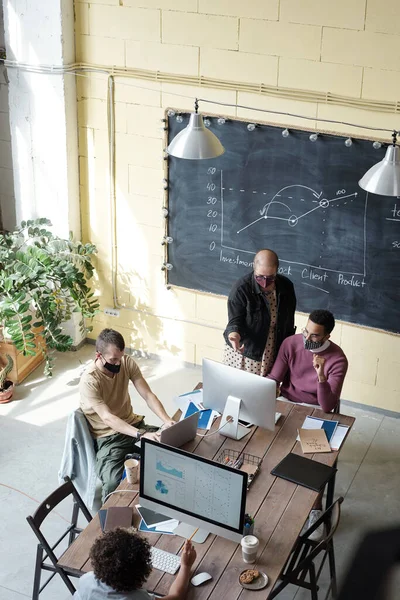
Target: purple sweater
294, 368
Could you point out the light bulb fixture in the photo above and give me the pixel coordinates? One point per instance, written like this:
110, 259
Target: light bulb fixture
171, 112
348, 142
167, 239
313, 137
221, 120
179, 119
207, 122
165, 212
195, 142
376, 145
384, 177
285, 133
251, 126
167, 267
165, 184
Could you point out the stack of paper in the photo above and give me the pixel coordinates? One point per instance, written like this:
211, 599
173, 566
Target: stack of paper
153, 522
193, 402
335, 432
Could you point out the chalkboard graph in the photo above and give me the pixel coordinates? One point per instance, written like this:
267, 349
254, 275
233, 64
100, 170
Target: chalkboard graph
338, 244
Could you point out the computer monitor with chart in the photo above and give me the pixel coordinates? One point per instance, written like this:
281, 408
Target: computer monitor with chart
238, 395
193, 489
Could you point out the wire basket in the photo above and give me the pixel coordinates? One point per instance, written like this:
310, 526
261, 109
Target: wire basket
242, 461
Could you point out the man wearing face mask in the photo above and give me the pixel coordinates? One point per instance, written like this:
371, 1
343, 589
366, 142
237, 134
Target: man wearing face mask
309, 367
261, 308
105, 401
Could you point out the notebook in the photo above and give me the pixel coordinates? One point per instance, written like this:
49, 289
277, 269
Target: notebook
304, 471
118, 516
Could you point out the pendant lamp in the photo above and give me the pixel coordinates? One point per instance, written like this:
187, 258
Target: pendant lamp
195, 142
384, 177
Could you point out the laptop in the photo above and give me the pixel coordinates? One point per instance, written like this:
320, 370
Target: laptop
179, 434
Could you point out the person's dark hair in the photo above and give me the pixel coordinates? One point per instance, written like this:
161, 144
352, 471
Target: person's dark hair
109, 337
323, 317
121, 559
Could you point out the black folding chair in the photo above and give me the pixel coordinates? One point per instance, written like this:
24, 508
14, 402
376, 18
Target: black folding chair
44, 551
301, 568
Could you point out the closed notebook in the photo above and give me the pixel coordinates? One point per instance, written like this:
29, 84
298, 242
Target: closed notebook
118, 516
304, 471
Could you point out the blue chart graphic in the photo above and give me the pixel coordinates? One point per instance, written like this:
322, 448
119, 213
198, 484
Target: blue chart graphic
169, 470
161, 487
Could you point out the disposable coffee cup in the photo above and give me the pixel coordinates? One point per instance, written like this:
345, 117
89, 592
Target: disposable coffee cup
132, 470
249, 548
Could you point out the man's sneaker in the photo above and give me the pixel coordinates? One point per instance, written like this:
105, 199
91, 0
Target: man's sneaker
318, 534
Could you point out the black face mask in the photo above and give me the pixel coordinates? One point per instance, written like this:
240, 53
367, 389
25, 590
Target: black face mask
309, 345
110, 367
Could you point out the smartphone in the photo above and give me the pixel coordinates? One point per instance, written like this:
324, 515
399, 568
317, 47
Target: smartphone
245, 423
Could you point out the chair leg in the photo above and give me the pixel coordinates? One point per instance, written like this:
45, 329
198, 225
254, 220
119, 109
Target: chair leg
313, 582
74, 521
66, 580
332, 568
38, 572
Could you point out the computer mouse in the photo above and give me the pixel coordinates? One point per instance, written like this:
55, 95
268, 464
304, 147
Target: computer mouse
200, 578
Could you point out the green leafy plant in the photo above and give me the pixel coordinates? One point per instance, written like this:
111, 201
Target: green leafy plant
43, 280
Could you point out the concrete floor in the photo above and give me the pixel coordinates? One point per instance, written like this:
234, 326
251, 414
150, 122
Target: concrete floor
31, 445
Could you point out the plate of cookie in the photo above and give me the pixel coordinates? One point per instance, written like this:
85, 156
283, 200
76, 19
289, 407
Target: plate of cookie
253, 579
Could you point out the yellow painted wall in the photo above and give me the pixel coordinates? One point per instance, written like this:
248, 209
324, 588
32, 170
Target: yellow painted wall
346, 48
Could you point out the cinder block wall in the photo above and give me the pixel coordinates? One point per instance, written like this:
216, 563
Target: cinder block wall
346, 48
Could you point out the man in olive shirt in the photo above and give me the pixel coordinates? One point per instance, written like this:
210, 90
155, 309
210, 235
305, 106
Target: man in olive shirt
105, 401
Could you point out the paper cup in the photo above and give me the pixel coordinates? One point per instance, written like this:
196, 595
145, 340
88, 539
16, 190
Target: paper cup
131, 470
249, 548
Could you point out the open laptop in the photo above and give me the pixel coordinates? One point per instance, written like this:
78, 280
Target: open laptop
179, 434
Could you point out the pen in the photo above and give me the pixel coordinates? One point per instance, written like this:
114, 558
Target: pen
193, 534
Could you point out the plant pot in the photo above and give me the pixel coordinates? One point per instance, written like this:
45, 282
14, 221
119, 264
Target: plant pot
7, 393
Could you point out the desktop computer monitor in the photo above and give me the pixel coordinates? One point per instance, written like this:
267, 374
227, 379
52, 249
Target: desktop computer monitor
238, 395
193, 489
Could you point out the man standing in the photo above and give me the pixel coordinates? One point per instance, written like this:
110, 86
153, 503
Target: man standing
261, 308
309, 367
105, 401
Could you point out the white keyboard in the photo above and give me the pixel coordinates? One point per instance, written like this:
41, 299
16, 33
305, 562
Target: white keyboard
165, 561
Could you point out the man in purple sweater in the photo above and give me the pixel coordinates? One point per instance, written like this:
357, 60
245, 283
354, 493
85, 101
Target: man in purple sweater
309, 367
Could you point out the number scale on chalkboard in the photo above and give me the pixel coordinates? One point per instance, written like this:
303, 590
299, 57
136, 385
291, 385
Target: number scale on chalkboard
338, 244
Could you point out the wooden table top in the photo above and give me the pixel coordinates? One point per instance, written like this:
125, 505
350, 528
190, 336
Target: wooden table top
280, 509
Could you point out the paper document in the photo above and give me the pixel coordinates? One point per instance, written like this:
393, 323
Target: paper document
338, 436
193, 402
314, 440
143, 527
315, 423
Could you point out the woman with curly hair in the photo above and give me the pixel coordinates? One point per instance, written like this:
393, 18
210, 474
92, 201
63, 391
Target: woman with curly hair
121, 563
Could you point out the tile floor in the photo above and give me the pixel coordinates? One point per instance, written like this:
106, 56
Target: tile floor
31, 445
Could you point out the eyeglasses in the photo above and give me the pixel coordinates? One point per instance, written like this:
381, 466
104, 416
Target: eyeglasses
313, 336
265, 278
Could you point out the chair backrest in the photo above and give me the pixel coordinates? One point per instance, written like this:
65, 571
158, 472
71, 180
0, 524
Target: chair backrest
65, 490
330, 518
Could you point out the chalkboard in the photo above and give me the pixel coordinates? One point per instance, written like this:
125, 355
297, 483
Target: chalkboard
338, 244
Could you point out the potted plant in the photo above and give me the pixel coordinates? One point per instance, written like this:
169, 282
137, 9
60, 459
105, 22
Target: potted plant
6, 386
43, 280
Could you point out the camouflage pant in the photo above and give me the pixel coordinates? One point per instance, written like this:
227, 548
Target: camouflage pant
110, 456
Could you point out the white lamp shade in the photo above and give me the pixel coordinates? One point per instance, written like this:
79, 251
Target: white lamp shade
384, 177
195, 141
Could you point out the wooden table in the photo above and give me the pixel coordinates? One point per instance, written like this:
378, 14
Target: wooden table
279, 506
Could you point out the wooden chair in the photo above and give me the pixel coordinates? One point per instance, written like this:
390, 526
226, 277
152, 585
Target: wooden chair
44, 551
301, 563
